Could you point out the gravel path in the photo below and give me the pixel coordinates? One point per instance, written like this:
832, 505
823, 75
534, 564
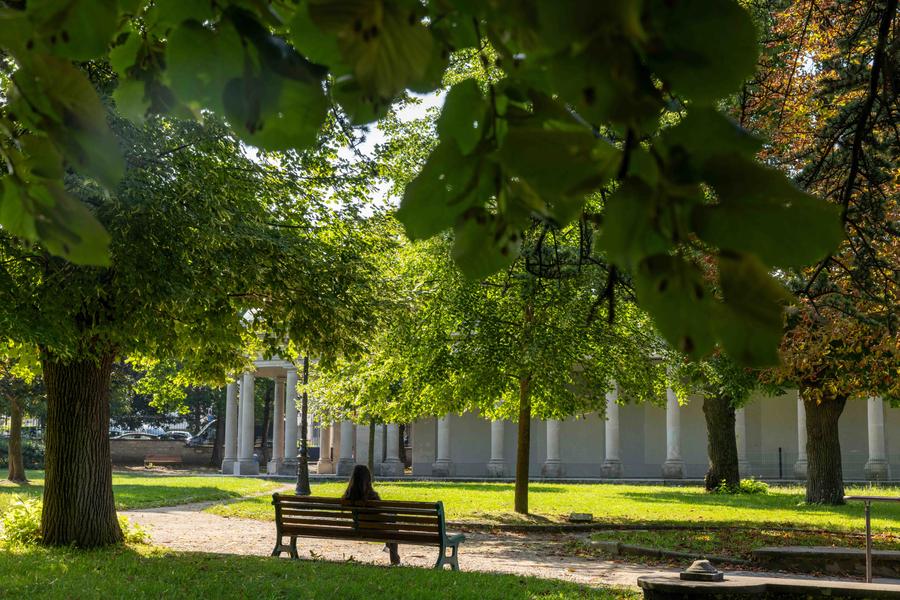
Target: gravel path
188, 528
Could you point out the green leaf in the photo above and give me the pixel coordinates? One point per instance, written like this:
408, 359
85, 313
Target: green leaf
75, 29
123, 56
762, 212
483, 245
673, 292
385, 43
130, 100
463, 116
316, 45
705, 132
291, 115
440, 193
750, 323
69, 111
200, 62
629, 225
559, 162
165, 14
68, 228
704, 49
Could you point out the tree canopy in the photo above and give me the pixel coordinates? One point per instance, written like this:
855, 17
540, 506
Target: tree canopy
586, 95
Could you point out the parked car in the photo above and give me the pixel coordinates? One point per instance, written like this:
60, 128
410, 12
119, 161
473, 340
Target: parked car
136, 435
177, 435
205, 436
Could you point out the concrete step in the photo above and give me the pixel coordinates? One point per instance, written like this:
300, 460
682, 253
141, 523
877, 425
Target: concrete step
826, 559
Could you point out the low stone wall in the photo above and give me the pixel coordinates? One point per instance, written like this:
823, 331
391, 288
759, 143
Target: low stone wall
132, 452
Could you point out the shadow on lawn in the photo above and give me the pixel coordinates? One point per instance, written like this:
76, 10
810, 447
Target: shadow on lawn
129, 496
473, 487
762, 502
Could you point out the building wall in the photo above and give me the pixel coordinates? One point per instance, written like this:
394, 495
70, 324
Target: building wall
133, 452
771, 436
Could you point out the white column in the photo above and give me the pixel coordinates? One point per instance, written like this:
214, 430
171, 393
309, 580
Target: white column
325, 465
392, 467
246, 464
612, 462
362, 444
379, 448
496, 467
346, 463
231, 427
278, 430
552, 466
673, 468
877, 467
442, 466
740, 436
335, 442
290, 423
801, 464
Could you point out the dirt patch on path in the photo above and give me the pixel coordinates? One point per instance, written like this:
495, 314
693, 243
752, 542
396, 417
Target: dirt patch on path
542, 555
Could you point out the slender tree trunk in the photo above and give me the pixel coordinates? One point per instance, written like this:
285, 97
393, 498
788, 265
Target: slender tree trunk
824, 476
371, 460
78, 497
16, 460
402, 436
721, 443
219, 442
302, 488
523, 447
264, 441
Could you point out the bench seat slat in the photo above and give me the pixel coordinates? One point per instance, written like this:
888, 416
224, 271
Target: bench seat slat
397, 527
374, 536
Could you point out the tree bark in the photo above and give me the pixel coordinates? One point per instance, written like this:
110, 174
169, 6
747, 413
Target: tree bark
824, 476
523, 447
302, 488
78, 498
16, 460
721, 443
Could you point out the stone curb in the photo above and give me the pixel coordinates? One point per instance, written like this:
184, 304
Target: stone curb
620, 549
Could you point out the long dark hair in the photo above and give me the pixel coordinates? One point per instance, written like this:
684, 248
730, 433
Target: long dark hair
360, 485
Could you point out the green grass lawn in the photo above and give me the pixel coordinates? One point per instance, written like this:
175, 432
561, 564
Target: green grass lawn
147, 572
615, 504
739, 543
144, 491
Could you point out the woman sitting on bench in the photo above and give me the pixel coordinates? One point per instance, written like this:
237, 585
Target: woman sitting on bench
359, 489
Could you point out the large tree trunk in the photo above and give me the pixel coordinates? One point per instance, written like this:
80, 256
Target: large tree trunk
16, 461
302, 488
523, 447
824, 475
78, 497
721, 443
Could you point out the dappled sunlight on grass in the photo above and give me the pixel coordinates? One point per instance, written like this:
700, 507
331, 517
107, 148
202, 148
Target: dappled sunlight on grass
611, 503
133, 490
148, 572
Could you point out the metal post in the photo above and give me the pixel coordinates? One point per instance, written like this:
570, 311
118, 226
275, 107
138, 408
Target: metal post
868, 541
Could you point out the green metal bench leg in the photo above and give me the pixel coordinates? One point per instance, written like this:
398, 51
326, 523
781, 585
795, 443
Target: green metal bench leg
454, 557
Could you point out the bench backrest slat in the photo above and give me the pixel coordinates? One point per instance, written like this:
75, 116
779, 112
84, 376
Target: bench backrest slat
396, 521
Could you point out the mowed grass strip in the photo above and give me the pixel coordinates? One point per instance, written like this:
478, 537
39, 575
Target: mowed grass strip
782, 507
738, 543
148, 572
136, 490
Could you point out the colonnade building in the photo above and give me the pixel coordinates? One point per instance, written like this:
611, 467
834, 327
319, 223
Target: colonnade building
632, 441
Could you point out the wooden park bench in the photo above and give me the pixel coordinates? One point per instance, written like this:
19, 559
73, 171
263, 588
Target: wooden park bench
418, 523
162, 459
